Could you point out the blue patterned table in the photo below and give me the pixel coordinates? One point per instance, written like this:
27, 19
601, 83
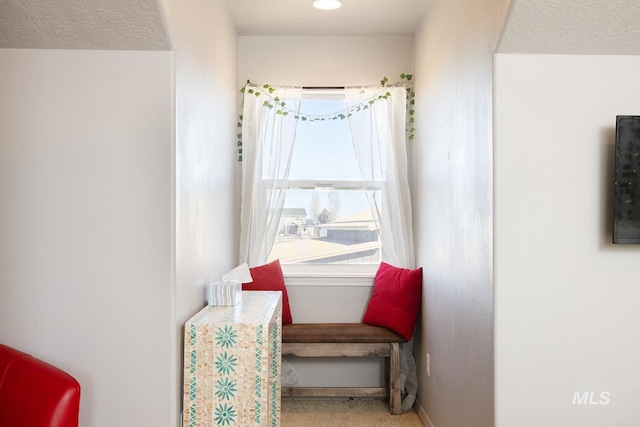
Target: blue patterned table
232, 363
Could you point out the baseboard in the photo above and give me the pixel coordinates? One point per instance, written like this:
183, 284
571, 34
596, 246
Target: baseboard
422, 414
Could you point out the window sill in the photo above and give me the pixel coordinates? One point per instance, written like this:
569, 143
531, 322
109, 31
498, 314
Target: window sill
329, 277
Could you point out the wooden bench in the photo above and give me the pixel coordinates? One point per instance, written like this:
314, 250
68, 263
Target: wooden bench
346, 340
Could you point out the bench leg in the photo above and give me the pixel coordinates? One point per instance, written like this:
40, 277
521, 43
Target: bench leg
395, 405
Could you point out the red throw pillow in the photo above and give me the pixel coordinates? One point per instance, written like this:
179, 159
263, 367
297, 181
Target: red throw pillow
269, 277
395, 302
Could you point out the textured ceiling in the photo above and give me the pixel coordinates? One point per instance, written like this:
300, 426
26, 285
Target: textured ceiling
533, 26
585, 27
354, 18
82, 24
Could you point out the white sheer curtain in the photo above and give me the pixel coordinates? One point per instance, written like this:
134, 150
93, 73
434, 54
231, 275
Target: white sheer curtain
379, 139
268, 139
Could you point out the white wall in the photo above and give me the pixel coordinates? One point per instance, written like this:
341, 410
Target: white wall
452, 210
109, 230
566, 297
86, 224
117, 205
326, 61
205, 45
323, 61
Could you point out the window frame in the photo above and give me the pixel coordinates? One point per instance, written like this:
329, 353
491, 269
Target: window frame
328, 271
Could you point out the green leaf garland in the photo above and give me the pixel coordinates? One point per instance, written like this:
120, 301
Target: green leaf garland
282, 109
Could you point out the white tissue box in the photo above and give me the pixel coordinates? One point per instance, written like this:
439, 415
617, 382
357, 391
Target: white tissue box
224, 294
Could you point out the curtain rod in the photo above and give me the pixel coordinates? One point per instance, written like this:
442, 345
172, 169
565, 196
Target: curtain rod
323, 87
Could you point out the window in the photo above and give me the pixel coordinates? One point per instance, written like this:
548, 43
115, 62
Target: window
326, 217
324, 178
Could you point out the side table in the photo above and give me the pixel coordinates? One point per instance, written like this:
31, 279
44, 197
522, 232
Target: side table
232, 363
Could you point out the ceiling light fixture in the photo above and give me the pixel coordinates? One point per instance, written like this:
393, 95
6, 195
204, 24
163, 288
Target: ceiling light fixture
327, 4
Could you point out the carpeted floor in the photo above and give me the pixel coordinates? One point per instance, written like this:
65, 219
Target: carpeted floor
343, 413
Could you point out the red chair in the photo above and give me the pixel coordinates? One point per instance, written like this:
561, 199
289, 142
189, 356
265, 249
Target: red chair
34, 393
